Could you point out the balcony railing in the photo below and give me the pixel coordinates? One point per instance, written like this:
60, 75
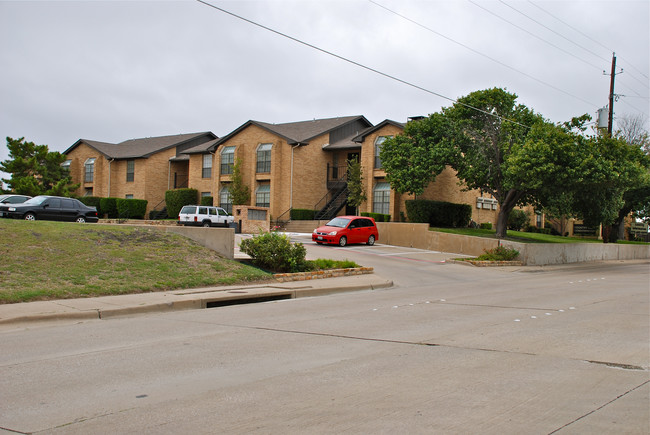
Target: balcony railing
336, 176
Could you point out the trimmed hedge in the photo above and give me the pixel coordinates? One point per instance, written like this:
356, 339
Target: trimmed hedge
302, 214
207, 200
378, 217
176, 199
109, 207
486, 225
438, 213
131, 208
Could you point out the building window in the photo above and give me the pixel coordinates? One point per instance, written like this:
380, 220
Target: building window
381, 198
128, 196
378, 144
66, 164
263, 195
264, 158
227, 160
130, 170
225, 200
90, 170
207, 166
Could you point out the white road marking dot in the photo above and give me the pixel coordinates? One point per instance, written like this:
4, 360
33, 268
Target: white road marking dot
533, 317
443, 300
517, 320
561, 311
548, 314
572, 308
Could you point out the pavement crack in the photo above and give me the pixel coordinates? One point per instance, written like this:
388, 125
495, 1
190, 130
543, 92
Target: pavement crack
599, 408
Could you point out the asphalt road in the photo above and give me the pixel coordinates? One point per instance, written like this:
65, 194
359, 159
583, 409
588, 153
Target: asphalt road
449, 349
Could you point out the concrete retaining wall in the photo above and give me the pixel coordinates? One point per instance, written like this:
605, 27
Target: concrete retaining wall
537, 254
221, 240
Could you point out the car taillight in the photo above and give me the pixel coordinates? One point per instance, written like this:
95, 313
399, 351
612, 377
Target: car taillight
196, 219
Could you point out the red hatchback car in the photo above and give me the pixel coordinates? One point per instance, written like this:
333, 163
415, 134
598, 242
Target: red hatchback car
347, 229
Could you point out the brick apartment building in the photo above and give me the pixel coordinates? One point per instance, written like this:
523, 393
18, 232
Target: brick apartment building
299, 165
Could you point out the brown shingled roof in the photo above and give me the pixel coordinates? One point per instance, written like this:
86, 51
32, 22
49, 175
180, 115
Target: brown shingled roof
139, 148
298, 133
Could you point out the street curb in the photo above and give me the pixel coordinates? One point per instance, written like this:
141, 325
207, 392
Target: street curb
180, 300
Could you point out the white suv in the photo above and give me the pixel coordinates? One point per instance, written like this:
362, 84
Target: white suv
205, 216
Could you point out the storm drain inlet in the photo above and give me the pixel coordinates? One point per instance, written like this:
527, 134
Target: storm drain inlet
250, 300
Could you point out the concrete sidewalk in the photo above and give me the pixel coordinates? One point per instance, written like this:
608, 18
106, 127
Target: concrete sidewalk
124, 305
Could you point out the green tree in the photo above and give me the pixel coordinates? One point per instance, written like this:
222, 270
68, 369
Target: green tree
356, 189
411, 159
239, 192
477, 137
35, 170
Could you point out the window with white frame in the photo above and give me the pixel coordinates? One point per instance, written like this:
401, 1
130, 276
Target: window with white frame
225, 200
227, 159
207, 166
130, 170
264, 158
381, 198
90, 170
66, 164
378, 144
263, 195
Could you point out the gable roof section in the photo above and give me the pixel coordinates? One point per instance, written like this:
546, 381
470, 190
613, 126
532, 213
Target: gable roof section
362, 136
298, 133
140, 148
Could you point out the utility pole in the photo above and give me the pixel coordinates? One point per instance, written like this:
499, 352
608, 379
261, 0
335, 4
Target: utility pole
611, 96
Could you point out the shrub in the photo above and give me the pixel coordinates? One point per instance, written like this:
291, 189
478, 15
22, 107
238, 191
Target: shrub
302, 214
486, 225
517, 219
439, 213
500, 253
275, 252
324, 264
109, 207
378, 217
207, 200
176, 199
131, 208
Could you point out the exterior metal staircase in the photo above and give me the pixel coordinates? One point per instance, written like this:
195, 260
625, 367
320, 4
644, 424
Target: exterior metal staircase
329, 211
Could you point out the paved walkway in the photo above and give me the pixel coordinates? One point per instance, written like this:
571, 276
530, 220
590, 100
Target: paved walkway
124, 305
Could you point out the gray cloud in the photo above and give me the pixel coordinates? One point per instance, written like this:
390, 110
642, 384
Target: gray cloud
112, 71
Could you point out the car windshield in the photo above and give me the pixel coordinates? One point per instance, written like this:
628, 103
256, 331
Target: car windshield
338, 222
37, 200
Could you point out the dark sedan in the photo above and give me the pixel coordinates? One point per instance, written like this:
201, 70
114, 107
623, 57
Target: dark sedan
52, 208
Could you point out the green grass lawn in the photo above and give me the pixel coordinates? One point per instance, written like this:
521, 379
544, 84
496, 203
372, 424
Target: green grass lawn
57, 260
518, 236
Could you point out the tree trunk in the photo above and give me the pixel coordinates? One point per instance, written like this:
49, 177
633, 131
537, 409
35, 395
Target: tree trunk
512, 197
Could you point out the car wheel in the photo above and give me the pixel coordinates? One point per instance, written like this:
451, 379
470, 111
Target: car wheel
30, 217
80, 219
206, 224
343, 241
371, 240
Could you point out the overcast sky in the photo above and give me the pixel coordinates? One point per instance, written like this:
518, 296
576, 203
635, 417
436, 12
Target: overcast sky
117, 70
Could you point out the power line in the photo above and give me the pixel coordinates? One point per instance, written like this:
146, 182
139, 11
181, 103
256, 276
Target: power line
322, 50
585, 35
553, 31
535, 36
479, 53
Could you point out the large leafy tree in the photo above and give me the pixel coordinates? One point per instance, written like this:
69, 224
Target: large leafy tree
478, 137
35, 170
413, 159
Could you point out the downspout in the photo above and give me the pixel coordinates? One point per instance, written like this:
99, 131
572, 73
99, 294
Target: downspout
169, 173
109, 177
291, 182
